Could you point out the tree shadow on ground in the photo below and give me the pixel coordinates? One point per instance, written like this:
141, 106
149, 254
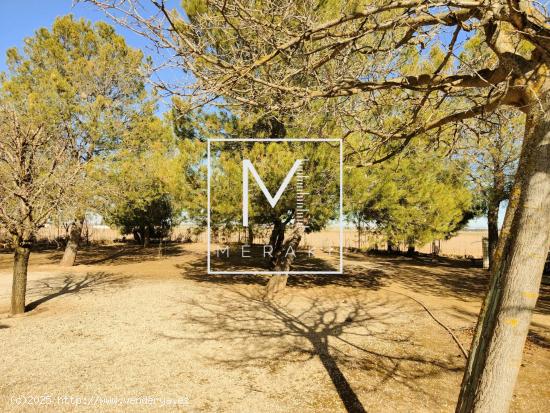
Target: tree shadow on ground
452, 277
419, 258
232, 260
369, 272
72, 284
538, 339
440, 276
543, 302
349, 338
118, 254
353, 276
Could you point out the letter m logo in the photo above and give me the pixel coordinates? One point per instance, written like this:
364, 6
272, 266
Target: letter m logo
248, 167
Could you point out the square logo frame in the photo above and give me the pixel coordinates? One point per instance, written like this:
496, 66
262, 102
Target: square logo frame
340, 270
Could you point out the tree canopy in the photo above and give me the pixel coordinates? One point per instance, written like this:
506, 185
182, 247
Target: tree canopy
414, 198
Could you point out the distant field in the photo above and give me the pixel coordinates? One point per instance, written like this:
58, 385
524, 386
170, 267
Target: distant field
466, 243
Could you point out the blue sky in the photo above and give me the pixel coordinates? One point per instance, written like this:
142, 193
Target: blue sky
21, 18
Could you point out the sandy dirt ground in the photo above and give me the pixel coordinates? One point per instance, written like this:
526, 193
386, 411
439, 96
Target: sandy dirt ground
127, 331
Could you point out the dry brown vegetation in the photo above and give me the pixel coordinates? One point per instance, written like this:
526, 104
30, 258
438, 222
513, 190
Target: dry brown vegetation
463, 244
126, 323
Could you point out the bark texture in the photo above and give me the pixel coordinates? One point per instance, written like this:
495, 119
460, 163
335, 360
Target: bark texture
497, 348
71, 250
19, 284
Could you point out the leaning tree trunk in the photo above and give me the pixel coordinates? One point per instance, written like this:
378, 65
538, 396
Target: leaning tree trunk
75, 234
283, 262
277, 237
19, 285
502, 328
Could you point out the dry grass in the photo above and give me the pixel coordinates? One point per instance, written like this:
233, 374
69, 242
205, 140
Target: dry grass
464, 244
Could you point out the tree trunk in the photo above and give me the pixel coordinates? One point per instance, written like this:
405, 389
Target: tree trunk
495, 197
137, 236
485, 252
492, 225
19, 285
160, 246
277, 236
283, 263
502, 328
250, 235
75, 233
275, 285
277, 282
146, 236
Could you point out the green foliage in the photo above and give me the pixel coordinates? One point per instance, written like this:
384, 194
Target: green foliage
152, 219
147, 178
272, 162
87, 77
414, 198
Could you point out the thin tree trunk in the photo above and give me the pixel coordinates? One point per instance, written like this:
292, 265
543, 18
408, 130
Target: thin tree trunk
502, 328
250, 235
277, 282
137, 236
71, 250
19, 285
160, 246
492, 226
146, 236
283, 263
